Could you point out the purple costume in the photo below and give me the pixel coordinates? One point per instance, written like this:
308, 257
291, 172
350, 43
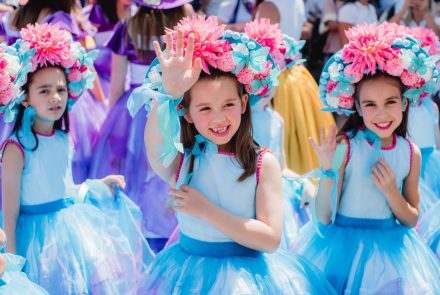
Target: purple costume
102, 63
120, 148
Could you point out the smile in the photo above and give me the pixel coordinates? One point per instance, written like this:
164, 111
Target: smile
220, 132
383, 126
54, 109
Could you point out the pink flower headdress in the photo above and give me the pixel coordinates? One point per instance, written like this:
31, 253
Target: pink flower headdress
373, 48
284, 50
55, 47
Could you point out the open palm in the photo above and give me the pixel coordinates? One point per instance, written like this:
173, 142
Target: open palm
178, 72
326, 150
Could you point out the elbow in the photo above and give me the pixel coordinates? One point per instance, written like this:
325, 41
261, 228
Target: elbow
272, 244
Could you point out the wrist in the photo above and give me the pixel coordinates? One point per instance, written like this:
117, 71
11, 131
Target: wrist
393, 191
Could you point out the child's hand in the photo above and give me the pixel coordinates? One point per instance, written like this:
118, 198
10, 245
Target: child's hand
383, 177
178, 72
327, 149
114, 180
190, 201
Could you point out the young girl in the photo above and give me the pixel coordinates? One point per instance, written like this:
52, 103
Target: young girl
118, 150
365, 210
268, 126
12, 280
75, 240
104, 15
85, 128
227, 193
296, 98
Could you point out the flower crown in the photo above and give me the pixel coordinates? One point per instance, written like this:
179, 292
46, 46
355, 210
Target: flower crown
13, 75
373, 48
284, 50
52, 46
227, 51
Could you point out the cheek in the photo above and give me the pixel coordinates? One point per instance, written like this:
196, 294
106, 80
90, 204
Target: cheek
199, 119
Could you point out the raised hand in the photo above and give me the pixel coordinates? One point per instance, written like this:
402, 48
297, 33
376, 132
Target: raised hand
178, 72
384, 178
327, 149
114, 180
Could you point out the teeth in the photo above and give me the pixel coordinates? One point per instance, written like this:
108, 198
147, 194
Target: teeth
220, 130
383, 124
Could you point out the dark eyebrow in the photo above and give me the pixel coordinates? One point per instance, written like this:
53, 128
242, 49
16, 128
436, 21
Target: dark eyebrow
202, 104
386, 99
44, 86
232, 99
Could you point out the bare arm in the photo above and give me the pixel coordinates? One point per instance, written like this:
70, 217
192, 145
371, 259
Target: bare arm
117, 80
397, 18
262, 233
437, 127
342, 27
270, 11
13, 163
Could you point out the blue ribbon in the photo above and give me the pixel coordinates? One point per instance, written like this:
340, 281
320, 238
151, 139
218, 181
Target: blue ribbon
25, 133
167, 119
376, 142
201, 147
333, 174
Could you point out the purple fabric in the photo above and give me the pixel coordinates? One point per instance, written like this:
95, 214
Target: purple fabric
98, 18
120, 150
65, 21
6, 31
161, 4
121, 44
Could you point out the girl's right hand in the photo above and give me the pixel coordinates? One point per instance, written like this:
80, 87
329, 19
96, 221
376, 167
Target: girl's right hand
178, 72
327, 149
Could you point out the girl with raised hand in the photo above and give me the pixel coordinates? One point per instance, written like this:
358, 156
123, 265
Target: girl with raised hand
365, 211
76, 240
227, 190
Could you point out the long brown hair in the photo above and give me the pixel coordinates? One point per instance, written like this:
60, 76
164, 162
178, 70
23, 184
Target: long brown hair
242, 143
147, 23
354, 123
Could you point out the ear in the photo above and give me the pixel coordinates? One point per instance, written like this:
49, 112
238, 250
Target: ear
405, 104
244, 100
25, 102
188, 118
358, 108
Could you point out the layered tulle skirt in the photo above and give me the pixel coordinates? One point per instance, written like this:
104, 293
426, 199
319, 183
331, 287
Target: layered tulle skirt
121, 150
196, 267
429, 229
295, 217
428, 198
84, 246
14, 281
370, 256
431, 167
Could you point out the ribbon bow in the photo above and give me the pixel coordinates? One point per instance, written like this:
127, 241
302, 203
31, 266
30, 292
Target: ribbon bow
254, 60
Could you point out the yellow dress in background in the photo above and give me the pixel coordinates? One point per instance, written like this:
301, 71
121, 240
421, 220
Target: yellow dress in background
297, 101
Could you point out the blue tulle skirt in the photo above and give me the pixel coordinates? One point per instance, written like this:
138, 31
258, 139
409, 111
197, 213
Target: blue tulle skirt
94, 246
294, 216
429, 229
428, 198
371, 256
196, 267
14, 281
120, 149
430, 168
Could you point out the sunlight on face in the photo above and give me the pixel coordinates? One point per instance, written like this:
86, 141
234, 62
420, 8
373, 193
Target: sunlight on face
48, 93
380, 102
216, 108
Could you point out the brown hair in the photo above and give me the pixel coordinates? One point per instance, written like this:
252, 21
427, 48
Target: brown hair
242, 143
29, 13
147, 23
355, 121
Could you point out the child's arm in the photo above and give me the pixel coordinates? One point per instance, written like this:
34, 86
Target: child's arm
262, 233
117, 78
13, 163
326, 152
406, 207
437, 127
178, 75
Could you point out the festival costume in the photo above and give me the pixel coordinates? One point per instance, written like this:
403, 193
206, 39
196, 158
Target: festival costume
205, 260
429, 228
365, 250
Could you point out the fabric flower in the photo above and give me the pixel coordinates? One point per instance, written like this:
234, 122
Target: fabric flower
411, 80
346, 102
246, 76
394, 67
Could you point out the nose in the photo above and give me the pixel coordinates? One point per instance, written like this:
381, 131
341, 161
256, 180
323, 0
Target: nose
218, 117
55, 98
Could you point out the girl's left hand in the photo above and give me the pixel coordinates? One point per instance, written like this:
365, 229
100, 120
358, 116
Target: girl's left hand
114, 180
383, 177
190, 201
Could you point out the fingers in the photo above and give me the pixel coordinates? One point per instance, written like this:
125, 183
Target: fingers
378, 173
169, 45
331, 136
197, 67
322, 135
158, 52
177, 193
313, 143
179, 43
190, 47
